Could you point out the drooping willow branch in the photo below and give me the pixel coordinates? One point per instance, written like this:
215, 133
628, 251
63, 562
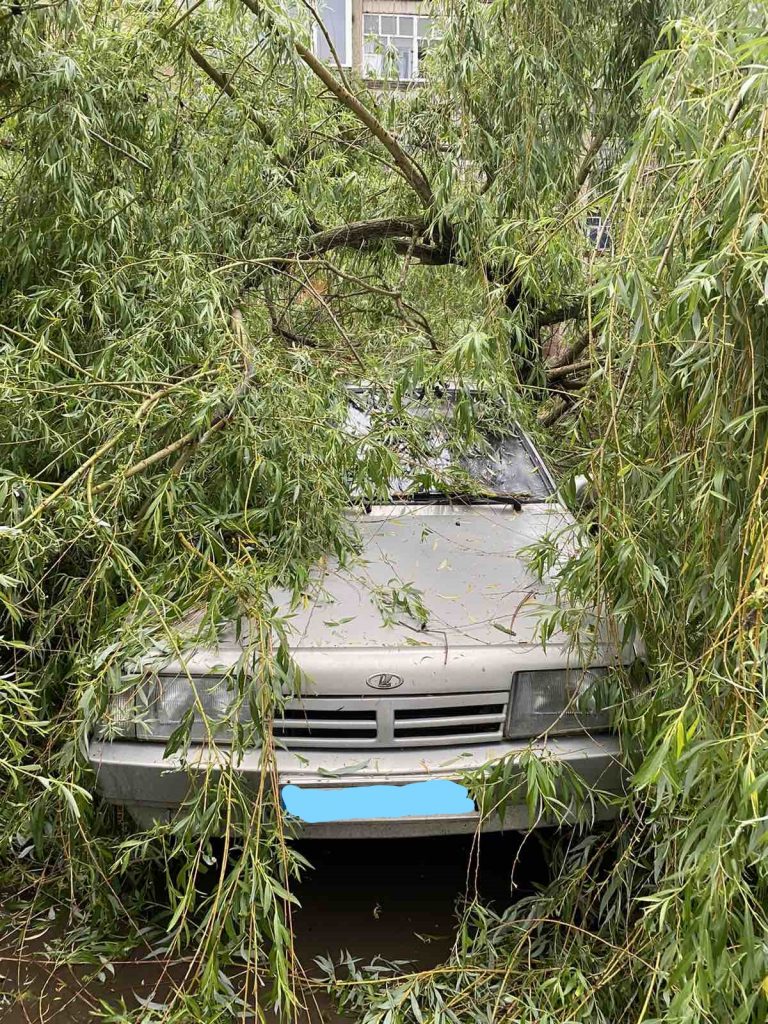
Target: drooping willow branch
405, 163
224, 82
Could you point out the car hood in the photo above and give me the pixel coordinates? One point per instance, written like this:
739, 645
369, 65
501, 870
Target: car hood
430, 576
441, 596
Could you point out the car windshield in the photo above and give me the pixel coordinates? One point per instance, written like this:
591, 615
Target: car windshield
427, 462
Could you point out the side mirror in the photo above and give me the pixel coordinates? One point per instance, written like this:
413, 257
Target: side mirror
584, 501
581, 485
577, 493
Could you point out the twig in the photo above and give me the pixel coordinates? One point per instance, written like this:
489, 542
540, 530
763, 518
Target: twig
311, 288
225, 84
193, 436
119, 149
326, 35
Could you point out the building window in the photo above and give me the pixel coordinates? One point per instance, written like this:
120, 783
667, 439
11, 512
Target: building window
336, 15
394, 45
598, 233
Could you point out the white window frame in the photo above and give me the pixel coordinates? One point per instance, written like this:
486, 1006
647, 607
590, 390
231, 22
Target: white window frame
385, 39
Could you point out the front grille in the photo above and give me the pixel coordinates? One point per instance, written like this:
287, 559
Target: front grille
430, 720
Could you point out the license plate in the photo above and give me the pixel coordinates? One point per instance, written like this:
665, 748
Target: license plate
433, 798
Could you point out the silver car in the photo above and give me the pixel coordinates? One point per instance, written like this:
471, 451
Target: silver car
420, 662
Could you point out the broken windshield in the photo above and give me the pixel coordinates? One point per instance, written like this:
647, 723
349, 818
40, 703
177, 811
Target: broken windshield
442, 447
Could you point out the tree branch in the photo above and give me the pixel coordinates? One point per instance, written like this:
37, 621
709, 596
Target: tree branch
573, 351
550, 416
434, 255
356, 234
558, 372
329, 42
587, 161
301, 340
108, 445
225, 84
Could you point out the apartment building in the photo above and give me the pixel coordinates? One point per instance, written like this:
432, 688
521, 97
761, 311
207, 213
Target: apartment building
383, 40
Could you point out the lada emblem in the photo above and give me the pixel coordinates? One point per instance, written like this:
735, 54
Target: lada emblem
384, 681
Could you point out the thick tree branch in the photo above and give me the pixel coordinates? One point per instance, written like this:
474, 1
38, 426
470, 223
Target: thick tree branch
574, 350
359, 233
403, 161
587, 161
434, 255
406, 235
401, 232
559, 372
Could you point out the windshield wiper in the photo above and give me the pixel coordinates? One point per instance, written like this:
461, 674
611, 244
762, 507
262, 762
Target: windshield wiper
453, 498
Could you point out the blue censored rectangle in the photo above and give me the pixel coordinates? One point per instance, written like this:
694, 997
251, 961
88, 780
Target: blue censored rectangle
353, 803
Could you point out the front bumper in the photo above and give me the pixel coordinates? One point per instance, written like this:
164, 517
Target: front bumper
151, 787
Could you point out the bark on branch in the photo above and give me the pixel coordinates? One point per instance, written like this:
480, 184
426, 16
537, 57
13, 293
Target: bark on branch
436, 256
573, 351
587, 161
549, 416
559, 372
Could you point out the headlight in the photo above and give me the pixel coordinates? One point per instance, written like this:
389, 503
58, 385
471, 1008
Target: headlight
208, 698
155, 706
557, 701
